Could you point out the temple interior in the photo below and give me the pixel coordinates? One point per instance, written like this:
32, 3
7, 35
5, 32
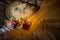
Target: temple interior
29, 19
